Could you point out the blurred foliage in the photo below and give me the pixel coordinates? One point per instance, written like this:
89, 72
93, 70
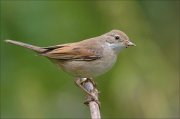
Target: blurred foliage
144, 83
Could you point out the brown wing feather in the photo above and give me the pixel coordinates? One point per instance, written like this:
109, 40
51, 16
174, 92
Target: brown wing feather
71, 52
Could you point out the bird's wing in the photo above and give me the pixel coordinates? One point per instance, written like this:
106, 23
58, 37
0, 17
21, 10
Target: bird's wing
72, 52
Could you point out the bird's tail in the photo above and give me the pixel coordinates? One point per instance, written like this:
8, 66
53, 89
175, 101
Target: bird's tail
32, 47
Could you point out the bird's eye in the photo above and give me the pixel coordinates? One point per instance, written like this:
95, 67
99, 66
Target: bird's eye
117, 37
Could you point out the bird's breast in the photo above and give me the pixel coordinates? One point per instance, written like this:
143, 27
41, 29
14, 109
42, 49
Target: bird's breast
88, 69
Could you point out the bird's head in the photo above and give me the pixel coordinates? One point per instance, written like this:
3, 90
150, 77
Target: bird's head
117, 40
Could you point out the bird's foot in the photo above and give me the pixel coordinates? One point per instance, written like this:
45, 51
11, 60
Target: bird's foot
88, 100
92, 92
79, 82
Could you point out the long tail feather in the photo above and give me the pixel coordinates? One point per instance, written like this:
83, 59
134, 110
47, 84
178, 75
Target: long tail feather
32, 47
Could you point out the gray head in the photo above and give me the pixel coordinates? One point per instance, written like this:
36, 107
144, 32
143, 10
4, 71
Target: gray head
117, 40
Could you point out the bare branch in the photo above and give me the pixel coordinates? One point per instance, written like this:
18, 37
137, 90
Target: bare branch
92, 100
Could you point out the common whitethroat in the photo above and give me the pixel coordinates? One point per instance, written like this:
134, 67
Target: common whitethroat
85, 59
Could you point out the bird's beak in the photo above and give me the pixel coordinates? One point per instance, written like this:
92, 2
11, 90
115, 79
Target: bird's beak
129, 43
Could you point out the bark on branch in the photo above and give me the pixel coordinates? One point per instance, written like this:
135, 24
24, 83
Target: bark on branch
92, 100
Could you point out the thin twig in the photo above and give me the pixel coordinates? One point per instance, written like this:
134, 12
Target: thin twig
92, 100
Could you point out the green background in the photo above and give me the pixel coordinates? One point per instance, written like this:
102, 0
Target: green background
144, 83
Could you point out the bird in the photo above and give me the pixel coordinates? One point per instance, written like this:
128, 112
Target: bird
85, 59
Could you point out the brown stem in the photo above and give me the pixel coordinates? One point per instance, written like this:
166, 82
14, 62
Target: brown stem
92, 100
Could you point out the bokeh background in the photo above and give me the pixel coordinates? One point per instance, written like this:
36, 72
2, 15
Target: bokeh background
144, 83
